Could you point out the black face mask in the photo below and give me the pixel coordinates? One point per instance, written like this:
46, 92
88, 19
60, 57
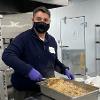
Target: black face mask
41, 27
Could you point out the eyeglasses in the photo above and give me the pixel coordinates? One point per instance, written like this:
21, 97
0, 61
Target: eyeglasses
39, 19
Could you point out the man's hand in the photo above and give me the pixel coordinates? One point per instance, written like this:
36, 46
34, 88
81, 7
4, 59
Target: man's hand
69, 74
35, 75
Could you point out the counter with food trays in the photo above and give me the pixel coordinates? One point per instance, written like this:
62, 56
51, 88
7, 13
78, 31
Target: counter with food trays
64, 89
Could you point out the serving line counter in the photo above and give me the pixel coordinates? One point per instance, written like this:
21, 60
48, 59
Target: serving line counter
48, 94
41, 96
7, 90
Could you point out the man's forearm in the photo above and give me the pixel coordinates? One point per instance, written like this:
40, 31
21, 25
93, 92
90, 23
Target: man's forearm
17, 64
60, 66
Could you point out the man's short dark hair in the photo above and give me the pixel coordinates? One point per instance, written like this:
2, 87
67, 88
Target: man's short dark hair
43, 9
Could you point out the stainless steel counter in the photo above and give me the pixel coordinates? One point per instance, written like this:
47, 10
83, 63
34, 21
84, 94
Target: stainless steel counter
99, 97
43, 97
39, 96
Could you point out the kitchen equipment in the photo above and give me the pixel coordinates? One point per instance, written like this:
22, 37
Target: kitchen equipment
91, 95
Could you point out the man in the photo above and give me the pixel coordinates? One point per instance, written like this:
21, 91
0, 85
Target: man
33, 55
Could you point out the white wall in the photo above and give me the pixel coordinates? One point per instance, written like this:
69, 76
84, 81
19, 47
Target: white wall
87, 8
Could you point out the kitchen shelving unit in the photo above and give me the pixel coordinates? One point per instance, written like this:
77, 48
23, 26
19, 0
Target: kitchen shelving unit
97, 49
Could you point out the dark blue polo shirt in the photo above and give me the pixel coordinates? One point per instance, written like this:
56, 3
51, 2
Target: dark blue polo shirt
27, 51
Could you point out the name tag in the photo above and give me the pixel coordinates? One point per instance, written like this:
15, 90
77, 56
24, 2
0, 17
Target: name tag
51, 50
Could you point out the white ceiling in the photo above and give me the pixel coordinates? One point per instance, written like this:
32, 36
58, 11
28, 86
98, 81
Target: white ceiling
58, 2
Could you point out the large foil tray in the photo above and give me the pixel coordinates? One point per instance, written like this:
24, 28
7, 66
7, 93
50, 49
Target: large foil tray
92, 95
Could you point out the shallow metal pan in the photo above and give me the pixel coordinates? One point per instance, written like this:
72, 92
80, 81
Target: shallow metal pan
92, 95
